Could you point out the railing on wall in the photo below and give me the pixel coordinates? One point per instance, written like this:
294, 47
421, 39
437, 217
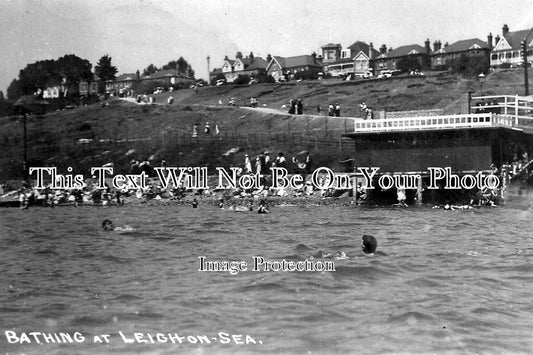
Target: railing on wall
486, 111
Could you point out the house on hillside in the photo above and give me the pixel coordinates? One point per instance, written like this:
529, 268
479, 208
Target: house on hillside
168, 77
442, 56
507, 48
331, 52
249, 65
282, 67
396, 59
87, 88
52, 92
228, 69
353, 60
121, 83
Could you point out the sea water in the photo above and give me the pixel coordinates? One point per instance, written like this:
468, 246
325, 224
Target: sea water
450, 282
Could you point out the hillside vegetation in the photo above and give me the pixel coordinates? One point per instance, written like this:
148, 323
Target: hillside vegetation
125, 130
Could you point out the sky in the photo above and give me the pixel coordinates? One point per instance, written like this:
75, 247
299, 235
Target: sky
136, 33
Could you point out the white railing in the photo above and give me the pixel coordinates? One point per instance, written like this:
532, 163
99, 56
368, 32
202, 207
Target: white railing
518, 106
433, 123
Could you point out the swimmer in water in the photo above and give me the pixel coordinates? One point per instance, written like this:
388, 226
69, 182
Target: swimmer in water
107, 225
262, 207
369, 244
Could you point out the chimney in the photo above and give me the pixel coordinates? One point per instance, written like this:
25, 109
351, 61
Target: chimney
505, 30
226, 58
370, 50
435, 46
251, 56
390, 49
489, 40
446, 44
440, 45
383, 49
428, 48
314, 56
269, 58
238, 55
496, 40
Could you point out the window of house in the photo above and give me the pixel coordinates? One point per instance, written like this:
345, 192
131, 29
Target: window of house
494, 57
508, 55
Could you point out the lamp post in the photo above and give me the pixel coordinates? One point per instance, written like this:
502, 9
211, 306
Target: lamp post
208, 72
28, 103
481, 79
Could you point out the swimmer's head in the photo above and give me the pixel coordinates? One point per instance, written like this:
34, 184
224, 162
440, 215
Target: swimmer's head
107, 225
369, 244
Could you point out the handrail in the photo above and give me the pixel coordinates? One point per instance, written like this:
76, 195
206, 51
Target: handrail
433, 122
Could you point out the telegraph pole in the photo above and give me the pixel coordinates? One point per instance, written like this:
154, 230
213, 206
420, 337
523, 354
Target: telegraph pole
523, 51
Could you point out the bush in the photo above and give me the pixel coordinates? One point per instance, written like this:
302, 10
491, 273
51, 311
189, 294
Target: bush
309, 74
470, 66
242, 80
216, 78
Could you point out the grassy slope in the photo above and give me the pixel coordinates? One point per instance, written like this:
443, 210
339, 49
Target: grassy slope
52, 137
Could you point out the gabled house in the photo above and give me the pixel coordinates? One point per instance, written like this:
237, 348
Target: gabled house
250, 65
442, 56
353, 60
507, 48
362, 53
231, 69
53, 92
228, 69
282, 67
412, 54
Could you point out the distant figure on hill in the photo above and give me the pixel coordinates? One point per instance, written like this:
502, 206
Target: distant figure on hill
292, 107
299, 107
337, 110
247, 164
195, 130
318, 109
207, 129
331, 110
280, 161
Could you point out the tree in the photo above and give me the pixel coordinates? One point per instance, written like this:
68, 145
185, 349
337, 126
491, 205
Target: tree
150, 70
104, 69
173, 64
470, 65
409, 63
73, 69
14, 90
190, 72
182, 65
